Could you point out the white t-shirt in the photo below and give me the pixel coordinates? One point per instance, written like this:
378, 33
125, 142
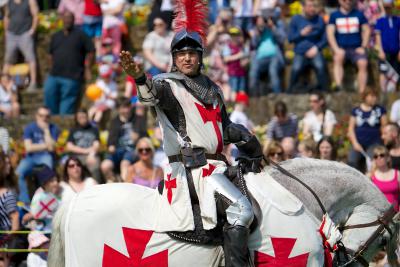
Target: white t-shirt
68, 192
109, 90
159, 46
395, 112
110, 21
311, 120
5, 97
34, 260
239, 117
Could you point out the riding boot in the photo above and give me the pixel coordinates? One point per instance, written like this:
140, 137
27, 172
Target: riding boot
235, 246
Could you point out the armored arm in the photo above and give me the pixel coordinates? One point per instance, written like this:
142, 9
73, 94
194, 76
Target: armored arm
247, 143
153, 92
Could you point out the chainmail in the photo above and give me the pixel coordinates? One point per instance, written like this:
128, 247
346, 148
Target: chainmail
200, 86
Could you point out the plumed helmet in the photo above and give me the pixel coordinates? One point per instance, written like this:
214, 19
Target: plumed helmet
190, 26
184, 40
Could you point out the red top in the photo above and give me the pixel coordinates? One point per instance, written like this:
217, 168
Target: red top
390, 189
92, 9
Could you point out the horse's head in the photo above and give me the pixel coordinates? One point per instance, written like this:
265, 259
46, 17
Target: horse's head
363, 239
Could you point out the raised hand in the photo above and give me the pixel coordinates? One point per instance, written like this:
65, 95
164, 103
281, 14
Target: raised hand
131, 67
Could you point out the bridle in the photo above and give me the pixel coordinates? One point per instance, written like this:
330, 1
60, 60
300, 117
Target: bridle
344, 256
383, 223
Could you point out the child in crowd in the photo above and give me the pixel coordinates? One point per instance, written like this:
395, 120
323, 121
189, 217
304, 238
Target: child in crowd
37, 240
9, 106
238, 115
109, 94
46, 199
307, 148
107, 56
9, 218
93, 22
236, 57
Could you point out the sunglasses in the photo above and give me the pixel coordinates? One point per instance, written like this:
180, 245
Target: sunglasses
43, 115
279, 154
144, 150
70, 166
379, 156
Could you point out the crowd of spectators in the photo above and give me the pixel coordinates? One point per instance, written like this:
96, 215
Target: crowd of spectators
250, 46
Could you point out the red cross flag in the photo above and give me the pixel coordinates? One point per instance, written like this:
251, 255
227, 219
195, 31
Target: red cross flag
43, 205
348, 25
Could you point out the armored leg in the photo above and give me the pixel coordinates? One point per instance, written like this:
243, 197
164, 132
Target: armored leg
239, 215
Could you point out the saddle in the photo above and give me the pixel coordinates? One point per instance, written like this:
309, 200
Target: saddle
215, 235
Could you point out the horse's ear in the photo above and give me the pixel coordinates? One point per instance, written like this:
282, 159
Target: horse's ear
393, 243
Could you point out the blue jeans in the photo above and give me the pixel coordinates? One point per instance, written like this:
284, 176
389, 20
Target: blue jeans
273, 65
61, 94
317, 62
153, 71
25, 168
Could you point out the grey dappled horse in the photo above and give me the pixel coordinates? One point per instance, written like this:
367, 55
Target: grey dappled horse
349, 197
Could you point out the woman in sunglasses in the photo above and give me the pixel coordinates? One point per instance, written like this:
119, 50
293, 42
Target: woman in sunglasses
76, 179
385, 177
273, 151
144, 172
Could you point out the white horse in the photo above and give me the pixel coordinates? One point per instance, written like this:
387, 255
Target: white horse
93, 232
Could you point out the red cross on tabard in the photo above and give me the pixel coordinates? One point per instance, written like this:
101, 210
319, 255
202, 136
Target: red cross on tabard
169, 184
282, 249
209, 171
210, 114
136, 241
347, 25
45, 207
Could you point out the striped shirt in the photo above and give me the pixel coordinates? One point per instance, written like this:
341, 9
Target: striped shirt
278, 130
8, 204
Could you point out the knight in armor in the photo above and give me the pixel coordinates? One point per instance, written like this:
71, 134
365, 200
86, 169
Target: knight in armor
195, 125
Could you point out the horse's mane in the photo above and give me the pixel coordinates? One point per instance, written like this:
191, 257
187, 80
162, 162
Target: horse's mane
340, 187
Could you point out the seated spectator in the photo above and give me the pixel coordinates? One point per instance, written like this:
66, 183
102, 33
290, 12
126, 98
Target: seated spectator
391, 139
395, 112
268, 38
144, 172
307, 32
386, 178
236, 56
289, 148
283, 124
238, 114
109, 89
4, 140
365, 124
20, 23
326, 148
40, 138
156, 48
307, 148
221, 27
113, 22
319, 121
37, 240
9, 217
243, 15
93, 22
77, 7
47, 194
9, 106
84, 144
107, 56
387, 30
348, 35
76, 179
123, 134
273, 151
71, 52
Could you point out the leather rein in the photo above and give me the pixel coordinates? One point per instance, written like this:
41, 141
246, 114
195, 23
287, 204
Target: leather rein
382, 222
